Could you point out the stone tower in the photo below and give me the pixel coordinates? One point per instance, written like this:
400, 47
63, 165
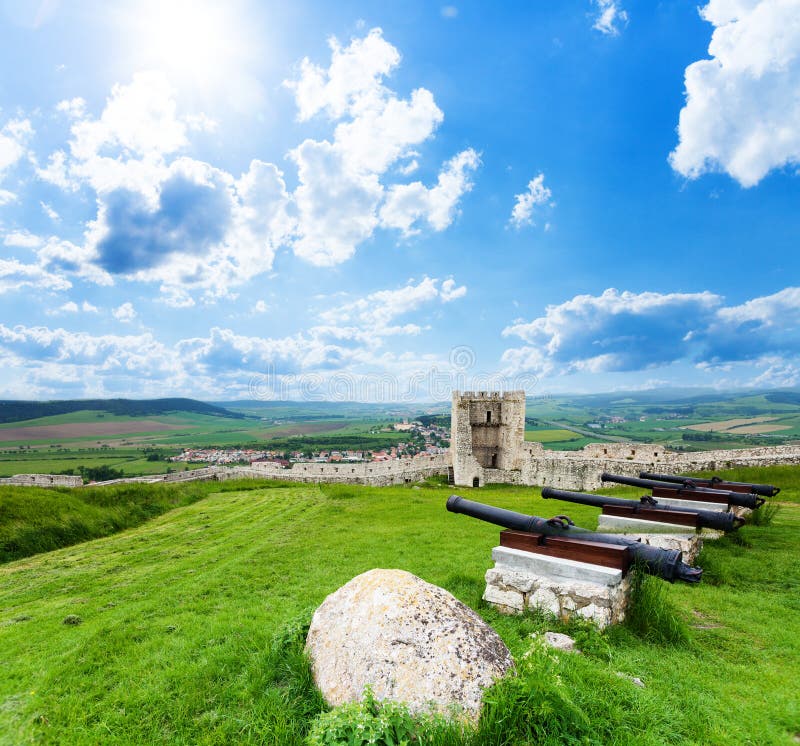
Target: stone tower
487, 436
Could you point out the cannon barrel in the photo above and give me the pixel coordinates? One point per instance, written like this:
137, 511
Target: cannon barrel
733, 498
767, 490
705, 518
665, 563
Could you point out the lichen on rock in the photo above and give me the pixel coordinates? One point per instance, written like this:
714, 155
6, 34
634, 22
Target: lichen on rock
410, 641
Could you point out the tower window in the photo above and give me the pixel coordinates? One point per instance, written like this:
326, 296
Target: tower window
488, 415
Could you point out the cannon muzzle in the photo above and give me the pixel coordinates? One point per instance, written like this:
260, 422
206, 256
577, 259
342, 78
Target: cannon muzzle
687, 491
665, 563
647, 508
767, 490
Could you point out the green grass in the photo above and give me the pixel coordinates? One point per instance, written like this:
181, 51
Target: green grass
192, 626
34, 519
551, 436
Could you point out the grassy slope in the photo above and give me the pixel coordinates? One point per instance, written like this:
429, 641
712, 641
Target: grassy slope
179, 616
36, 520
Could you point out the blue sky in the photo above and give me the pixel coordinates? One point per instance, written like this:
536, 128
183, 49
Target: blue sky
365, 200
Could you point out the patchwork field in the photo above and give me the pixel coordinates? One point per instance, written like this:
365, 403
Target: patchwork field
751, 424
96, 439
76, 430
191, 625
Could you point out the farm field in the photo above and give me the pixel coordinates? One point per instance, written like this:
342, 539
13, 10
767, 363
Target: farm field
93, 438
681, 420
192, 625
551, 436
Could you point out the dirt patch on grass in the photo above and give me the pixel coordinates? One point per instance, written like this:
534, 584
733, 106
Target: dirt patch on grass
84, 430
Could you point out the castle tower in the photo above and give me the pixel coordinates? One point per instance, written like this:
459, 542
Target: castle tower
487, 436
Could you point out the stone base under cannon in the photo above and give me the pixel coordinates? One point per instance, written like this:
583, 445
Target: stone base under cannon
663, 535
522, 580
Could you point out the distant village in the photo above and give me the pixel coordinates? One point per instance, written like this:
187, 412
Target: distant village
436, 439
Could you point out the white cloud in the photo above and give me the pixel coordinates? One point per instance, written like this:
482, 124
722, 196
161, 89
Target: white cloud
67, 258
179, 222
377, 312
15, 275
618, 332
50, 212
22, 239
408, 204
449, 12
611, 332
56, 172
610, 17
72, 307
355, 75
74, 108
13, 139
335, 205
139, 355
260, 306
777, 374
408, 168
536, 194
451, 292
741, 115
125, 313
340, 193
139, 117
195, 229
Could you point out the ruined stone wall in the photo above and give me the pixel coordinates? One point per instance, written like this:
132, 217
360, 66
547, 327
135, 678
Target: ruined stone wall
42, 480
400, 471
523, 463
375, 473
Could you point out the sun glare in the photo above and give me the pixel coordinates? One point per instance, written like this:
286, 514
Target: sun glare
186, 38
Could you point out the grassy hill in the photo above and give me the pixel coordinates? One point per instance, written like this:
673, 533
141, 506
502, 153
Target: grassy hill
191, 626
17, 411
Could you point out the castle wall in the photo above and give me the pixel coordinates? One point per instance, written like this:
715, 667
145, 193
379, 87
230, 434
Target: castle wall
375, 473
526, 463
42, 480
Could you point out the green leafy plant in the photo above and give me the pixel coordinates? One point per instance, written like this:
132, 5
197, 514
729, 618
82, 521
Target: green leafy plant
367, 722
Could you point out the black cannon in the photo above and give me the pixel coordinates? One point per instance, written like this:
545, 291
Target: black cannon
649, 509
716, 483
688, 491
665, 563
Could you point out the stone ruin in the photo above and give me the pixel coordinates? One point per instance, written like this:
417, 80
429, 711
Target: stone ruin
488, 446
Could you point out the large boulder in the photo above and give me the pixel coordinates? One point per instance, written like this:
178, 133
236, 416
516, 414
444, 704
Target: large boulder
411, 641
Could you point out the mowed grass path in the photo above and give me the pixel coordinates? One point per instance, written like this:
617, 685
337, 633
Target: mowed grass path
179, 615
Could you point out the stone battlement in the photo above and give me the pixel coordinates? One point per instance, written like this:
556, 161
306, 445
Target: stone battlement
490, 395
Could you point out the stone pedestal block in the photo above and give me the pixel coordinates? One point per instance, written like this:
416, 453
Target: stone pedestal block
523, 580
614, 524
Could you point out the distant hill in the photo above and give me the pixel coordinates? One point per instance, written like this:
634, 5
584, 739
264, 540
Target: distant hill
17, 411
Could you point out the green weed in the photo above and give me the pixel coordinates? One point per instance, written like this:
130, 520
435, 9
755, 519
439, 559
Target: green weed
650, 612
